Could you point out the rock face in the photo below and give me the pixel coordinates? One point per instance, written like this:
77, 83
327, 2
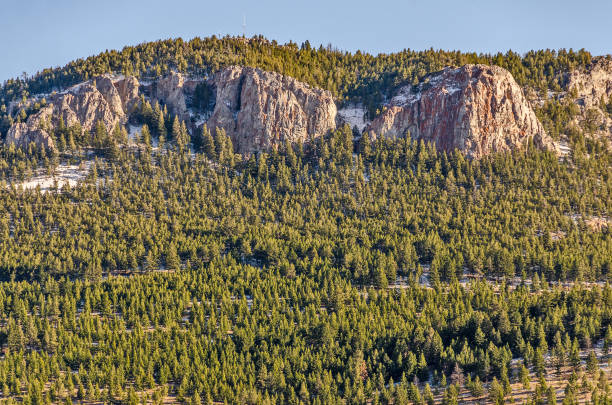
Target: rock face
128, 89
100, 99
169, 90
21, 136
261, 110
175, 90
594, 85
477, 109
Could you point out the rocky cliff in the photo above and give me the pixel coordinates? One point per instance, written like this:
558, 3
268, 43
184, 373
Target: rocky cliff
175, 90
261, 110
593, 89
101, 99
477, 109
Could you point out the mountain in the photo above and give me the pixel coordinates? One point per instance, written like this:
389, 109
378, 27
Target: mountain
307, 251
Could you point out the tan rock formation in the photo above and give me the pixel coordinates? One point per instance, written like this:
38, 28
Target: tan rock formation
477, 109
592, 86
21, 136
128, 89
261, 110
100, 99
169, 90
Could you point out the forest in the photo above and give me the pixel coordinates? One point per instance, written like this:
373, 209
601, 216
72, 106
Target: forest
342, 271
347, 270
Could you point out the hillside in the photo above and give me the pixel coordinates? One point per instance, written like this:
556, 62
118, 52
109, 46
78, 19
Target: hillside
236, 221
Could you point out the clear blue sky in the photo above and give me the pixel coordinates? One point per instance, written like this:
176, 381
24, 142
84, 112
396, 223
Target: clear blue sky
35, 34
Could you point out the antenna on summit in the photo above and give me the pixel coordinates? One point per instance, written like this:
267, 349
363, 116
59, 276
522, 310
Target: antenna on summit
244, 25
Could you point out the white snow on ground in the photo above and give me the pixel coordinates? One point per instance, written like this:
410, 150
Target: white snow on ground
64, 174
354, 115
563, 147
434, 79
452, 89
134, 132
73, 89
199, 118
408, 95
405, 96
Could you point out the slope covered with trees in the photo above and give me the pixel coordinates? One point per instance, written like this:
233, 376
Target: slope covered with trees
227, 332
383, 211
344, 270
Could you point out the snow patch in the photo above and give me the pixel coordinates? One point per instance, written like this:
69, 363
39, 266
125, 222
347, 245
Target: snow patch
134, 132
64, 174
405, 96
354, 115
563, 148
199, 122
74, 89
451, 90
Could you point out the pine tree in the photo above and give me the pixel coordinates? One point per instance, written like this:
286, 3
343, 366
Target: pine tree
524, 377
16, 338
592, 364
176, 129
428, 395
172, 259
160, 124
496, 392
208, 144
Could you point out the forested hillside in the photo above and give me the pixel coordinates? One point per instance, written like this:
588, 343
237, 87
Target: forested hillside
151, 264
279, 275
384, 211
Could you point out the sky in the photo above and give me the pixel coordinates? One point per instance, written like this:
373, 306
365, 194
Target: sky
35, 34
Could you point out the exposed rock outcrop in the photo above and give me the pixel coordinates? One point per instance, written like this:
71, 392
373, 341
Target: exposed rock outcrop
169, 90
261, 110
175, 90
594, 86
593, 83
477, 109
100, 99
21, 135
128, 89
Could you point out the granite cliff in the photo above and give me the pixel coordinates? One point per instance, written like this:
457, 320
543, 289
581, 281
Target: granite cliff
593, 90
261, 110
101, 99
477, 109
